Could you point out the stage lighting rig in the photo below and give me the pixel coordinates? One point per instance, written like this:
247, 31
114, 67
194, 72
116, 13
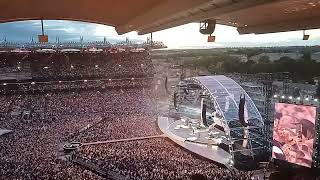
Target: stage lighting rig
207, 27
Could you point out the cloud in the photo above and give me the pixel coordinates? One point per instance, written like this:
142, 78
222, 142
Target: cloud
189, 35
67, 30
23, 31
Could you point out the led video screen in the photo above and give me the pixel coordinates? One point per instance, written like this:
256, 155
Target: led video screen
294, 133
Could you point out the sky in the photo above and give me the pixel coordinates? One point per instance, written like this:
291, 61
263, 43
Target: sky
185, 36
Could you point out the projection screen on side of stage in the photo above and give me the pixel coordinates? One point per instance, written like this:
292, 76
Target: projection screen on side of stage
294, 133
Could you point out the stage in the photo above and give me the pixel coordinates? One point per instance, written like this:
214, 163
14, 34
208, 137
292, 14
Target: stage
195, 140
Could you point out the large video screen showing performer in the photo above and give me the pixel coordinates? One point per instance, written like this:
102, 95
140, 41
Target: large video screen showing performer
294, 133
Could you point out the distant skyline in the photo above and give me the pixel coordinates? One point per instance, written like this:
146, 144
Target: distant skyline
179, 37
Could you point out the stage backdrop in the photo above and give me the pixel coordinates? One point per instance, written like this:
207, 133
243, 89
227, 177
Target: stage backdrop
294, 133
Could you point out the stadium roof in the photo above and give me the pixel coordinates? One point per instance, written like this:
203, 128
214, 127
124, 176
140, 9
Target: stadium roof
226, 93
145, 16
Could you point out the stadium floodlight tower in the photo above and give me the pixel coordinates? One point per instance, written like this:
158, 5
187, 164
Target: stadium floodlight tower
229, 111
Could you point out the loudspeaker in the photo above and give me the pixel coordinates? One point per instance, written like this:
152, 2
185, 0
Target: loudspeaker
204, 114
305, 37
211, 38
241, 111
175, 100
166, 84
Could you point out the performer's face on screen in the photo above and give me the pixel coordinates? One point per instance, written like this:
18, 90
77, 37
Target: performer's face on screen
283, 135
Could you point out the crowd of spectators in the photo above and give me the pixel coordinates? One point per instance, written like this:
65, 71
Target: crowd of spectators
156, 158
31, 87
121, 125
31, 151
42, 122
45, 105
78, 65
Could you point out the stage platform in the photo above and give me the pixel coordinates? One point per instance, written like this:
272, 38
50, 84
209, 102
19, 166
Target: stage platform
195, 140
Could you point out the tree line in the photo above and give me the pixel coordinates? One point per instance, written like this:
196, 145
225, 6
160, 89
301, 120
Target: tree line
303, 69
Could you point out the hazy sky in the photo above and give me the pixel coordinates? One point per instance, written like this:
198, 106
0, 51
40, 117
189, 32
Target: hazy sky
183, 36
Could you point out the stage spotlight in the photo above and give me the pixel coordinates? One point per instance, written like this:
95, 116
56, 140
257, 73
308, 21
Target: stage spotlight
290, 97
307, 99
316, 100
275, 96
282, 97
4, 84
231, 162
298, 98
33, 83
85, 80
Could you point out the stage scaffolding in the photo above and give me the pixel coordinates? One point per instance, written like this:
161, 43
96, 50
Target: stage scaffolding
260, 89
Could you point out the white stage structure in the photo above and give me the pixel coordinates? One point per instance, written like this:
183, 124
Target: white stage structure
245, 136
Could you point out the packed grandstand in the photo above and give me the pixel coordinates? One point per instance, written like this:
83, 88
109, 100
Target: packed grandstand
51, 98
